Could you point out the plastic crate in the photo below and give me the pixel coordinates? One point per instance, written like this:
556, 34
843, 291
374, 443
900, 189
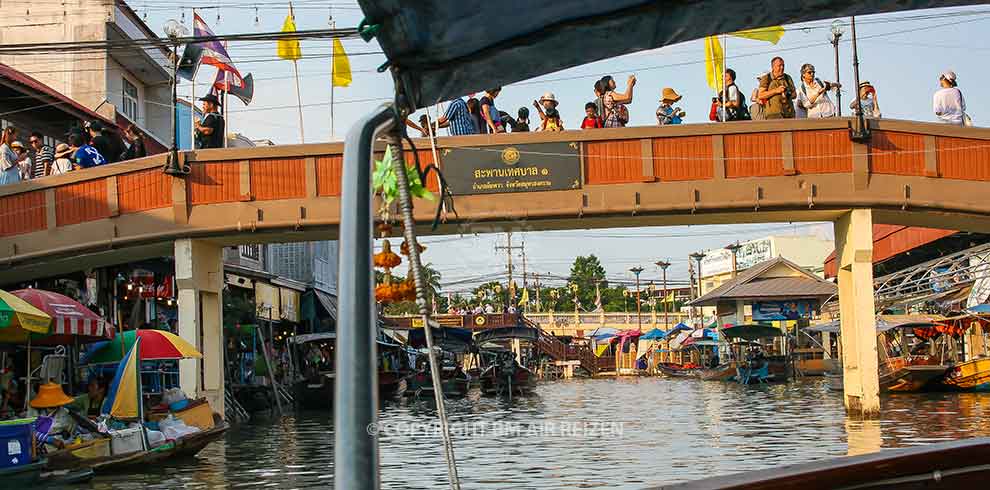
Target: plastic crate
16, 442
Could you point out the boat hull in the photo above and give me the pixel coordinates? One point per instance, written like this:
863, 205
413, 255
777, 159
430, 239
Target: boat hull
968, 376
519, 383
723, 372
912, 378
421, 385
676, 371
315, 394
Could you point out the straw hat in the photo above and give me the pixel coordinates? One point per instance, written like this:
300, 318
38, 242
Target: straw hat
62, 150
50, 395
669, 94
17, 145
549, 97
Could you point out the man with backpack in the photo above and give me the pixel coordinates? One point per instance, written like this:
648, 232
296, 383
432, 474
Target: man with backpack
734, 109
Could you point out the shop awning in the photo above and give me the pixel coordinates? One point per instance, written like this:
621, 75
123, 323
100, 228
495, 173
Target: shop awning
328, 302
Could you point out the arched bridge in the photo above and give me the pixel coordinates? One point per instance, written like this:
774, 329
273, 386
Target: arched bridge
800, 170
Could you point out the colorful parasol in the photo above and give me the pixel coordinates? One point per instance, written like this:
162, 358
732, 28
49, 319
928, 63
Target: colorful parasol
70, 319
155, 345
19, 319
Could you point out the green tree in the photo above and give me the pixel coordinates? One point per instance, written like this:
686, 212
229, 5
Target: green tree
586, 273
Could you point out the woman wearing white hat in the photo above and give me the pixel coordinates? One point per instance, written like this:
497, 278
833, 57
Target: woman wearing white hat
948, 103
544, 105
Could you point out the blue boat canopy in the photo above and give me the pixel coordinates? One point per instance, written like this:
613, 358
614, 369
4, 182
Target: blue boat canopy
655, 334
442, 49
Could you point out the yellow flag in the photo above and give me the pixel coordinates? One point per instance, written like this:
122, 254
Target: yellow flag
770, 34
341, 65
714, 62
288, 49
669, 298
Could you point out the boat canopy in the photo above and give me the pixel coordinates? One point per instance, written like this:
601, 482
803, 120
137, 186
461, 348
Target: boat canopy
752, 331
680, 327
655, 334
442, 49
312, 337
834, 326
979, 309
451, 339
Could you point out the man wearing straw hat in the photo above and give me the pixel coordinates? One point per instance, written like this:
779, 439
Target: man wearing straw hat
546, 103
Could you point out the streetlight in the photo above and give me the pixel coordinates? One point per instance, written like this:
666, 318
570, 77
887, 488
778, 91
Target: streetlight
697, 256
837, 32
734, 248
639, 317
663, 265
174, 30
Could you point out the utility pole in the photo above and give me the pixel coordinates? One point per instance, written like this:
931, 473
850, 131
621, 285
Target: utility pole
508, 255
862, 133
663, 265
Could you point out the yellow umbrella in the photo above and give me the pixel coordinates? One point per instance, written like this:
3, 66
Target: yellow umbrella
19, 319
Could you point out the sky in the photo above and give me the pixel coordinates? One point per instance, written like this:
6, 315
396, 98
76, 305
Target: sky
901, 54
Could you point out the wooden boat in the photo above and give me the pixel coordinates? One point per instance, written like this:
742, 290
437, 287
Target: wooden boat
454, 385
505, 376
722, 372
315, 392
947, 465
38, 473
971, 375
677, 370
898, 375
92, 457
391, 384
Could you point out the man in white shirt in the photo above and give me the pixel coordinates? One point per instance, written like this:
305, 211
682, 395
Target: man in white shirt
949, 106
812, 98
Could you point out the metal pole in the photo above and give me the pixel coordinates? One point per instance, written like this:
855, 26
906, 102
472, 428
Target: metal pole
356, 390
838, 93
172, 164
862, 132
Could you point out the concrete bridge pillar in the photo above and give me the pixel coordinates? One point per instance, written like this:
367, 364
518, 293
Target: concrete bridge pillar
854, 254
199, 277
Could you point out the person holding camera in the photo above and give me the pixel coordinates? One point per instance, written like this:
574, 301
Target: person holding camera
777, 88
868, 101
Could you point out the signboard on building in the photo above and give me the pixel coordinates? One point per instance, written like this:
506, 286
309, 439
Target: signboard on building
267, 301
289, 300
522, 168
783, 310
719, 261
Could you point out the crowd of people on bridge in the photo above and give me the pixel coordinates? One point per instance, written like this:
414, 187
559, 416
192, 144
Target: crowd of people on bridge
91, 144
775, 96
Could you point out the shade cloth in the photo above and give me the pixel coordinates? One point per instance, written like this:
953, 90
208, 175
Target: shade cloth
443, 49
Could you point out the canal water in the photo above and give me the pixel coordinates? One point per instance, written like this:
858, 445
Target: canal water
601, 433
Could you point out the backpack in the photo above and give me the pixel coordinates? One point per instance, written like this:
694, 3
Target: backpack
740, 113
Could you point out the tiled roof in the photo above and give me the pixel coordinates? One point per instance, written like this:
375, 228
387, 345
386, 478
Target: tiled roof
749, 285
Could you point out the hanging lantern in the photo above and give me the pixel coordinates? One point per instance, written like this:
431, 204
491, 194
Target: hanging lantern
387, 259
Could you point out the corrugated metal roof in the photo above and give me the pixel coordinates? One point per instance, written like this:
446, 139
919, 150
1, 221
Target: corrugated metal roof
750, 285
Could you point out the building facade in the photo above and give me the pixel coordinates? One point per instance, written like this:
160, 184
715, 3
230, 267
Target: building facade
126, 84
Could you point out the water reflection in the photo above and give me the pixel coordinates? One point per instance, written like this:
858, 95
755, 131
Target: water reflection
625, 433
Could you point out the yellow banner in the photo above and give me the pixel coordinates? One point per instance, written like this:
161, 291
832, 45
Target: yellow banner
341, 65
289, 49
770, 34
714, 62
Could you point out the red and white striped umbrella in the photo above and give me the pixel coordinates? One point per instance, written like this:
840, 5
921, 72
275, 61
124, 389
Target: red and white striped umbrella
70, 319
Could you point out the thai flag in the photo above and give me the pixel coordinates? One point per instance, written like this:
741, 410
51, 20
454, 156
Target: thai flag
213, 51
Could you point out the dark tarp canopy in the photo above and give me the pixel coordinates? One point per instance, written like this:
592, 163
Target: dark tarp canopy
752, 332
444, 49
495, 334
450, 339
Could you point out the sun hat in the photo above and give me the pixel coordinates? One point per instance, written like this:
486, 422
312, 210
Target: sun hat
50, 395
62, 150
669, 94
549, 96
16, 145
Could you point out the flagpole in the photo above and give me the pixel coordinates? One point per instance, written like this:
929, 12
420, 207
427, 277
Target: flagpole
725, 66
333, 61
295, 67
226, 98
192, 98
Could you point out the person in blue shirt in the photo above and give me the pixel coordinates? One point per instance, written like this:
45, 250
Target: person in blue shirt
83, 154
